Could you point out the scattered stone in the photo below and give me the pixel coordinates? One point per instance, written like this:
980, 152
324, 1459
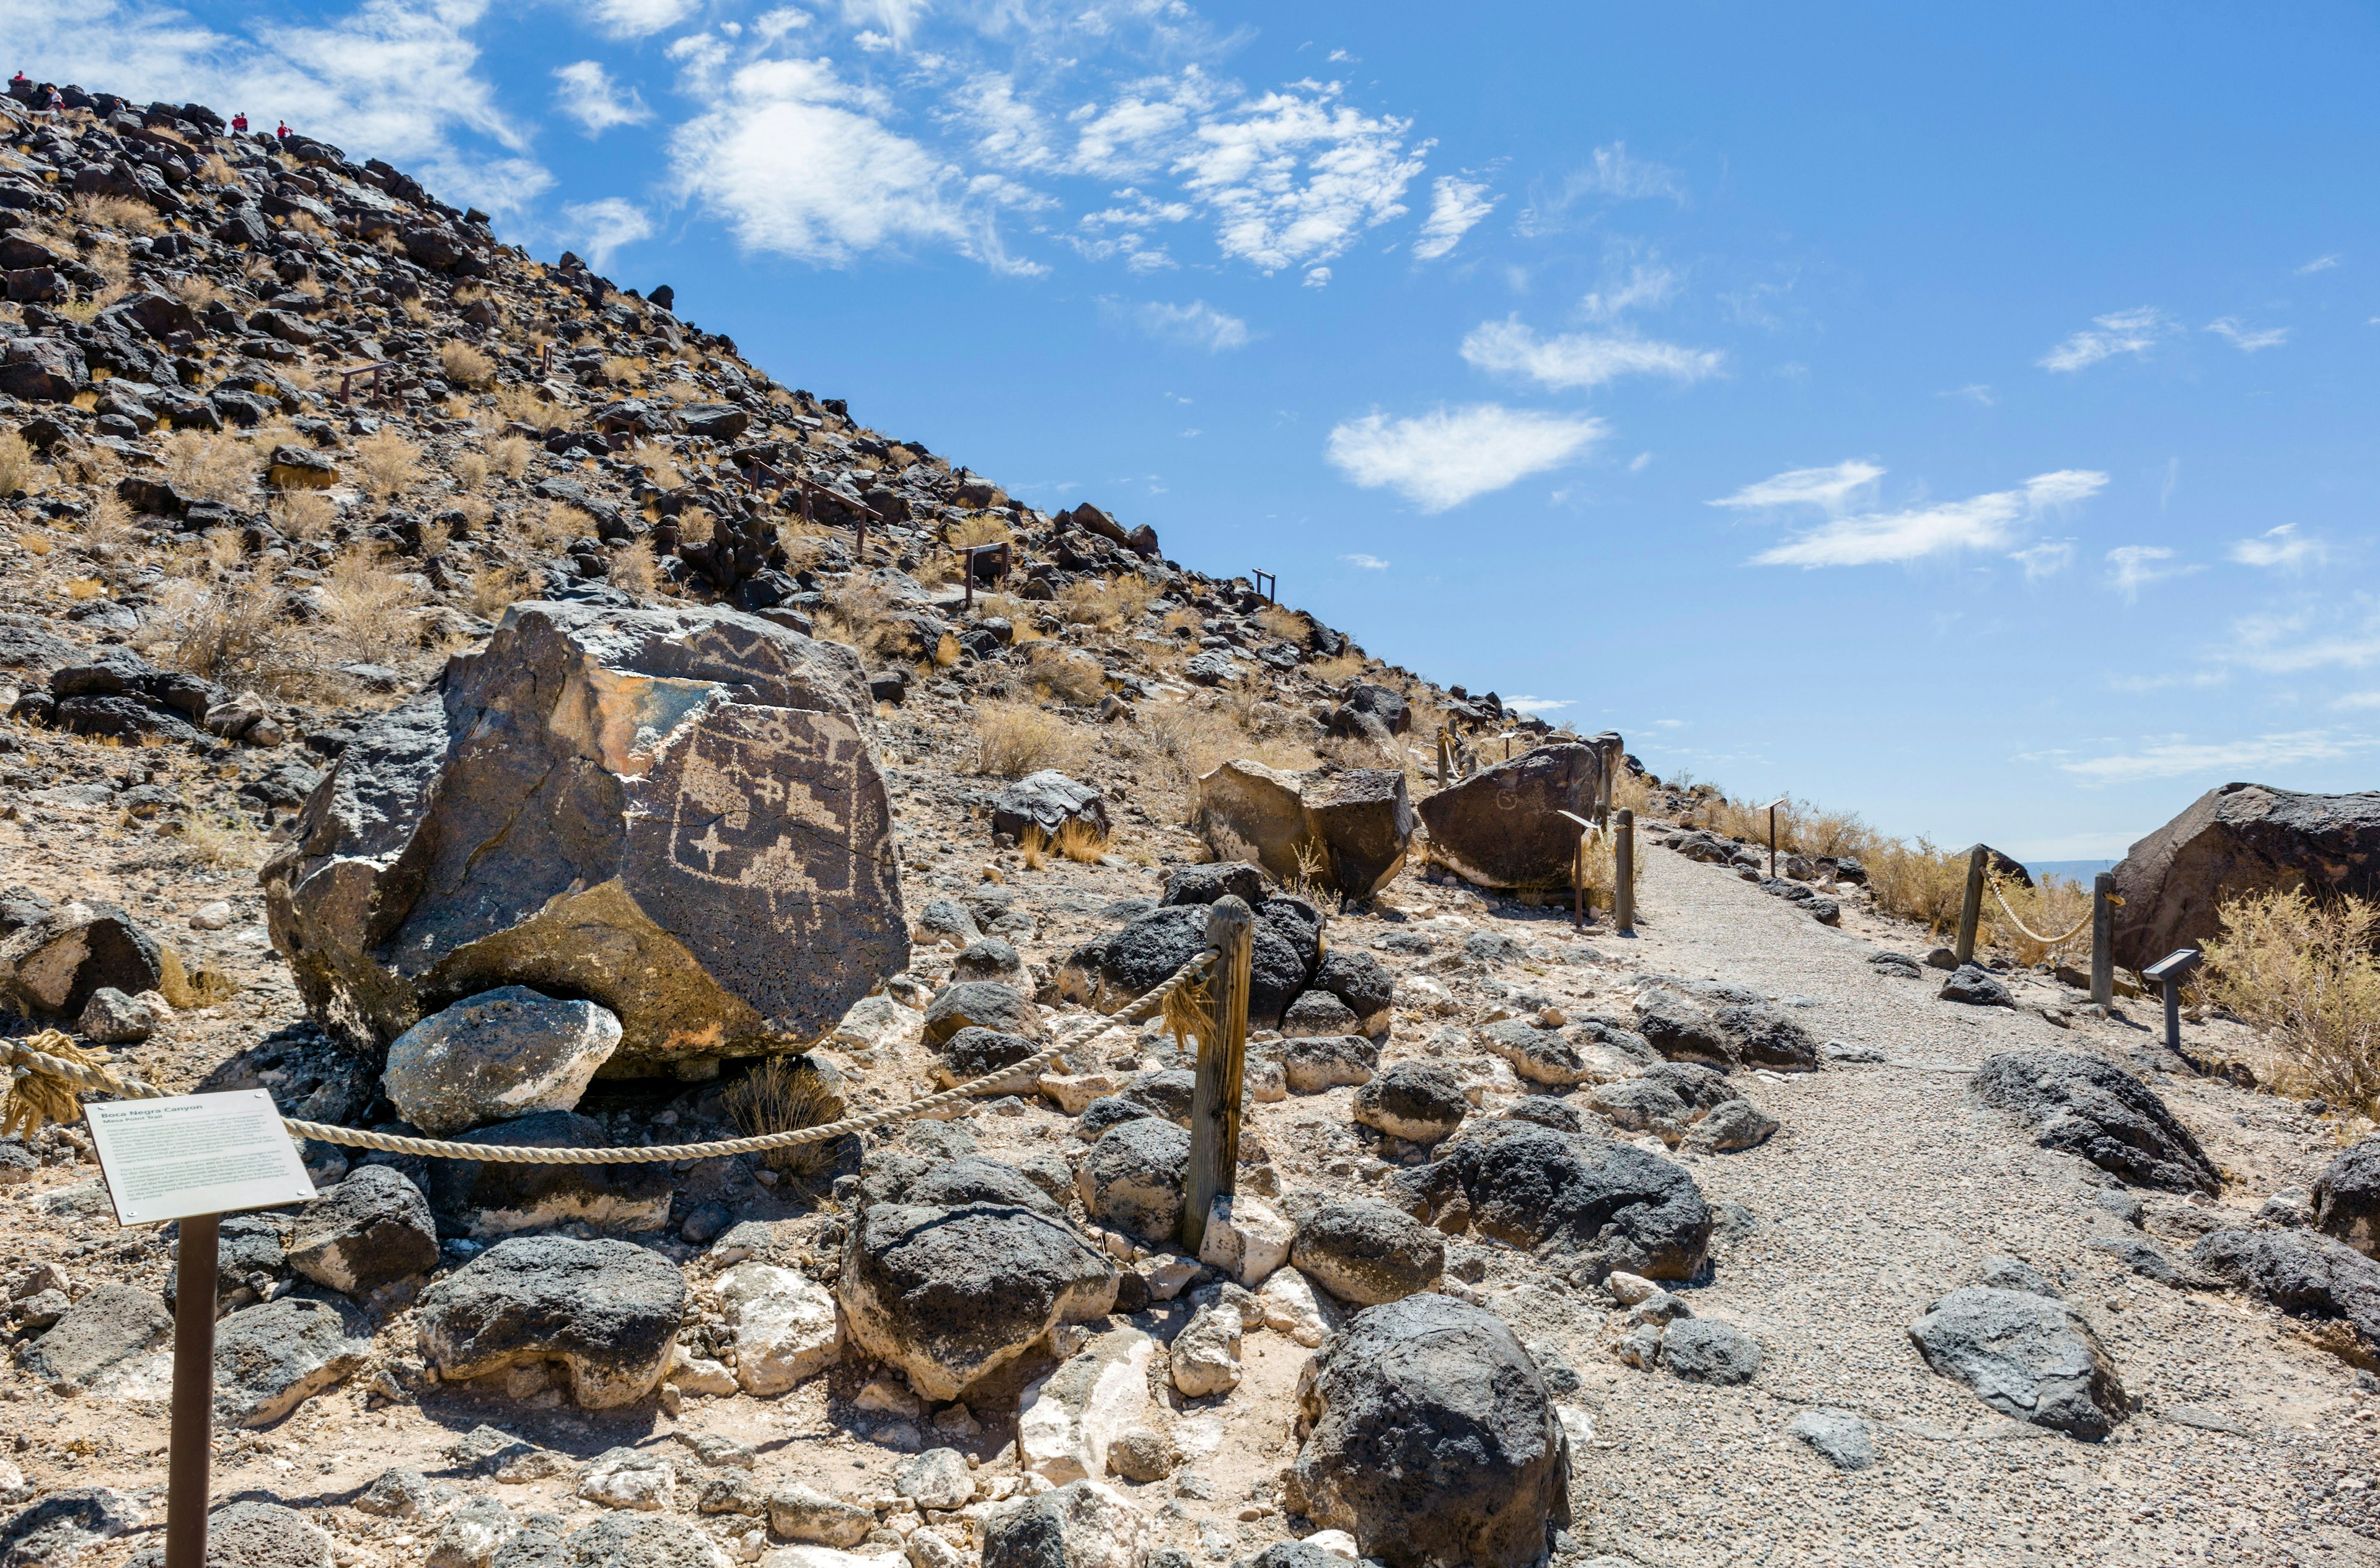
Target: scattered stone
949, 1296
784, 1324
936, 1478
2088, 1106
1732, 1126
1046, 802
1368, 1253
981, 1004
491, 1198
496, 1056
1319, 1065
626, 1540
1840, 1436
1361, 981
61, 1527
1081, 1524
2026, 1355
2346, 1198
2303, 1272
372, 1229
109, 1324
1976, 987
110, 1017
269, 1359
1413, 1100
606, 1311
1246, 1239
252, 1534
802, 1513
1292, 1308
1133, 1177
1705, 1350
1431, 1437
1069, 1422
630, 1478
1363, 822
1317, 1013
1206, 1353
471, 1534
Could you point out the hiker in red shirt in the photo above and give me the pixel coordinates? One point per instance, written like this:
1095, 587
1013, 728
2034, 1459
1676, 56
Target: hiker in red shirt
283, 132
239, 124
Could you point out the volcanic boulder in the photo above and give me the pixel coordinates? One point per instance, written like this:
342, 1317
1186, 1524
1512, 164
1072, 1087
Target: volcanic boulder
1503, 827
2087, 1105
674, 813
606, 1311
1430, 1436
2240, 838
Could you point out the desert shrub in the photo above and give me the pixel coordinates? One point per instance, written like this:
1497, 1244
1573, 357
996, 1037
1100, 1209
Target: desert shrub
1105, 602
388, 464
303, 513
470, 470
1012, 739
115, 211
230, 633
983, 528
465, 366
107, 527
2300, 971
15, 463
509, 456
783, 1095
1067, 673
369, 610
622, 370
658, 463
633, 572
1286, 625
518, 403
209, 468
1335, 670
494, 588
558, 525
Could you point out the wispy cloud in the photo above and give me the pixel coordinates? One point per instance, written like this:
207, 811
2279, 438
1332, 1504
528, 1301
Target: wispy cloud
1610, 174
1450, 456
2244, 340
2320, 264
2338, 636
606, 226
1576, 360
1538, 704
1977, 393
2132, 567
1455, 205
589, 95
2177, 756
1194, 325
2045, 559
1829, 489
2283, 549
1365, 562
2120, 331
1981, 522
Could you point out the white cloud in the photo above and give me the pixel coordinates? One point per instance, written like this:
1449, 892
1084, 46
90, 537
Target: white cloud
2177, 756
2356, 700
893, 21
1573, 359
606, 226
1639, 463
1538, 704
2045, 559
2245, 341
1194, 325
2344, 637
1450, 456
1367, 563
795, 161
1292, 177
2282, 547
1828, 488
2132, 567
1454, 206
1978, 393
2320, 264
589, 95
1646, 285
2121, 332
1981, 522
639, 18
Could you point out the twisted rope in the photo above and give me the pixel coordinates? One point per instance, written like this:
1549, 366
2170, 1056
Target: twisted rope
30, 1064
2019, 925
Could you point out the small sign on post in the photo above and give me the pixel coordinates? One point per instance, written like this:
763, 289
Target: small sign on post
1578, 871
194, 1158
2167, 973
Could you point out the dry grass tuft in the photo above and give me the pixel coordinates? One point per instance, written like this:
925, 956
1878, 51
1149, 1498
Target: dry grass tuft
1338, 668
783, 1095
371, 612
470, 470
658, 463
495, 589
224, 839
196, 290
304, 514
509, 456
465, 366
1105, 603
209, 468
518, 403
1068, 675
558, 525
1012, 739
633, 571
1075, 840
2302, 972
107, 527
115, 211
15, 464
389, 464
228, 633
980, 530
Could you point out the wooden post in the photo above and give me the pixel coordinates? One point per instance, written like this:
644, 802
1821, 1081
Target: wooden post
1772, 841
1445, 767
190, 1434
1578, 884
2103, 939
1624, 879
1215, 1100
1971, 908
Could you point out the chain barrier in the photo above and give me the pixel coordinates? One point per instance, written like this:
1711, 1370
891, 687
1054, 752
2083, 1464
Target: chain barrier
48, 1073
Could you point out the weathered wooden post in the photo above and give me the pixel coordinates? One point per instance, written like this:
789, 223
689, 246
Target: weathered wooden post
1772, 841
1623, 880
2103, 939
1215, 1098
190, 1435
1578, 873
1971, 907
1445, 764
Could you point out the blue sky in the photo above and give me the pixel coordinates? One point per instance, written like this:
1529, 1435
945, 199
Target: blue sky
1967, 421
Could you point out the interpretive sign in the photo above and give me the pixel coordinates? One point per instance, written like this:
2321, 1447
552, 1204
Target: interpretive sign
194, 1154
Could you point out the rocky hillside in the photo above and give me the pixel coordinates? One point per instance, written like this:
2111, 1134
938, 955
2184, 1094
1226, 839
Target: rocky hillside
462, 697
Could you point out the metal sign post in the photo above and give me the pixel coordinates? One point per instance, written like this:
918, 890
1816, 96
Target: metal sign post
194, 1158
2168, 972
1578, 871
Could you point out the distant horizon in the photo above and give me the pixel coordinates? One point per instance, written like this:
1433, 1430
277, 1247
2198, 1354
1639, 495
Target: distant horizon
1959, 420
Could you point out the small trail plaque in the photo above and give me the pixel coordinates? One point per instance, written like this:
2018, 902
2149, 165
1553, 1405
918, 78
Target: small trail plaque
195, 1154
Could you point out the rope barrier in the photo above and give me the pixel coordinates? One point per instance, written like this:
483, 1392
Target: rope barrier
2019, 925
49, 1071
